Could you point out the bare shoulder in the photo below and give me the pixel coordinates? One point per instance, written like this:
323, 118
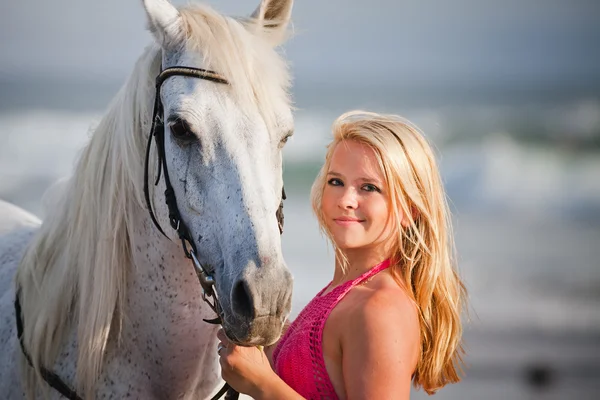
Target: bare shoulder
381, 311
383, 299
380, 342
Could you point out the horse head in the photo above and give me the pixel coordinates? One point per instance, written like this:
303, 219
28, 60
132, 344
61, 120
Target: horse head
223, 155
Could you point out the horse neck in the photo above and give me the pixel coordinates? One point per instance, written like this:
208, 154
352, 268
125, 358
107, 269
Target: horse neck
163, 314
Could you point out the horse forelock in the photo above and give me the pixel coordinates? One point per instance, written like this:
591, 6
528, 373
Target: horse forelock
239, 50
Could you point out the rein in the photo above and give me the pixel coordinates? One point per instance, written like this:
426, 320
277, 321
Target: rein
205, 276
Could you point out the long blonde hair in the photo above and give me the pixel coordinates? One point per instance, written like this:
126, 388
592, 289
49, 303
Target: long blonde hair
423, 251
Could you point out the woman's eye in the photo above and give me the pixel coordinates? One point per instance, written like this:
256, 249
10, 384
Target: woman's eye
335, 182
181, 130
370, 188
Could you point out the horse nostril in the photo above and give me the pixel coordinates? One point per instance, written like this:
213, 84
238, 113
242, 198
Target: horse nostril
241, 299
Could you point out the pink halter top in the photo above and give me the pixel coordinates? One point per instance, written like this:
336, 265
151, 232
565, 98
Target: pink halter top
298, 357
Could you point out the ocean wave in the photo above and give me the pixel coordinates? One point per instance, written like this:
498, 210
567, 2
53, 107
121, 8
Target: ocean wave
496, 173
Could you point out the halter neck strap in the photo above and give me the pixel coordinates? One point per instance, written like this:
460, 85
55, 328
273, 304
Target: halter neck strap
370, 273
343, 288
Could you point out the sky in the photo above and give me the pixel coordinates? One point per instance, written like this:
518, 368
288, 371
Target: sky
509, 41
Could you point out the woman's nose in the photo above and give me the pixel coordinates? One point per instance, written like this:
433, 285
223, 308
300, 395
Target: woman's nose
349, 199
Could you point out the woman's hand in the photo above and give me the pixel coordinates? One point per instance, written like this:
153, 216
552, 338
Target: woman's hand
246, 369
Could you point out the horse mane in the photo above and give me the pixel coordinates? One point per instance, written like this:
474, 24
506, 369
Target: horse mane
72, 279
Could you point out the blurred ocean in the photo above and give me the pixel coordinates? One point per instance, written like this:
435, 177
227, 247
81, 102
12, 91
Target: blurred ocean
523, 177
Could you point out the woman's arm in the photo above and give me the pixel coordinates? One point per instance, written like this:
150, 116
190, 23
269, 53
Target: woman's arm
247, 370
380, 347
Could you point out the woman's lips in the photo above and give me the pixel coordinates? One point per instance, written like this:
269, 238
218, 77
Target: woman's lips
347, 221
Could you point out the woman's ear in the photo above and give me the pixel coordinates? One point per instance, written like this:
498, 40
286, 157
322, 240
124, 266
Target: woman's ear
405, 220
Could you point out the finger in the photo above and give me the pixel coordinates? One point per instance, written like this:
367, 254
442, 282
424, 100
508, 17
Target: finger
224, 368
227, 367
222, 336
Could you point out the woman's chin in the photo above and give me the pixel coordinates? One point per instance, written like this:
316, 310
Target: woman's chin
347, 245
347, 239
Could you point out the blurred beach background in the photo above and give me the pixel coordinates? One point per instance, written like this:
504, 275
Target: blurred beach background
508, 92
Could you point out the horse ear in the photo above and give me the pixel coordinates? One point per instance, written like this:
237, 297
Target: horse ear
273, 16
164, 22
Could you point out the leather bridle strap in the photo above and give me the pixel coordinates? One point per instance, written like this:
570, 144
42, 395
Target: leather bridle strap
157, 132
48, 376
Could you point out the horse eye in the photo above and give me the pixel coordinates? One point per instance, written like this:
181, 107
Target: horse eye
181, 130
285, 139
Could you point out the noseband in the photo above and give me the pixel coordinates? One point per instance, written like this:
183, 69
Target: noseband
205, 275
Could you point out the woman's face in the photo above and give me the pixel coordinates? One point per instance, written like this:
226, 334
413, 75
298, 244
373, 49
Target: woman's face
355, 203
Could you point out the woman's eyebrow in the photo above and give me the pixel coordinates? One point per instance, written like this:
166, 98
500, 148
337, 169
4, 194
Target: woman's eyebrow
361, 179
370, 179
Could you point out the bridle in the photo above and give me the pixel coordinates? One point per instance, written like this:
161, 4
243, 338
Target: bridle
157, 132
205, 275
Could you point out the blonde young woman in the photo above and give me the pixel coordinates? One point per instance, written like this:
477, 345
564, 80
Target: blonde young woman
392, 312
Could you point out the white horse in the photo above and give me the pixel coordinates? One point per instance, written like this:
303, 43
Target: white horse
109, 304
